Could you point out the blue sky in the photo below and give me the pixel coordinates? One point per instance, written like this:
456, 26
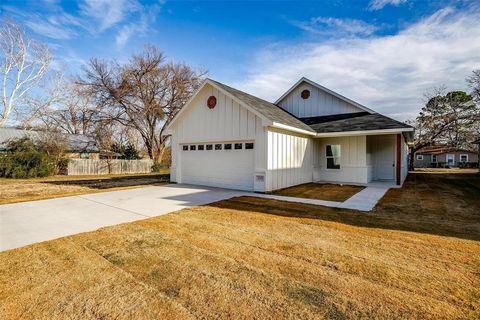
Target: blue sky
382, 53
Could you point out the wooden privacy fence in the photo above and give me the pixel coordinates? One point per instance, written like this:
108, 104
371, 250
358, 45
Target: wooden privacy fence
78, 167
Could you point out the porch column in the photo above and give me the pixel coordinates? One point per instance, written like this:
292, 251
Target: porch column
398, 166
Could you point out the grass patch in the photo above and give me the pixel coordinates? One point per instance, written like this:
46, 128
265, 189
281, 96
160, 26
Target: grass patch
19, 190
416, 256
320, 191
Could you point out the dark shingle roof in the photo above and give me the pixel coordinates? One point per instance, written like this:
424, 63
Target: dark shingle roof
440, 149
358, 121
267, 109
75, 142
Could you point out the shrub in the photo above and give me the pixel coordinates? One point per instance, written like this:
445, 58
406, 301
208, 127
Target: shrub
27, 159
127, 151
157, 167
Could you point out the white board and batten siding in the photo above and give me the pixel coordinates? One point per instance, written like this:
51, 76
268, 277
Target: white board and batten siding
353, 160
290, 159
228, 122
320, 103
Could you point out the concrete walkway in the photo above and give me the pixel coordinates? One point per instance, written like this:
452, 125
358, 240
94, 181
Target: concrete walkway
364, 200
29, 222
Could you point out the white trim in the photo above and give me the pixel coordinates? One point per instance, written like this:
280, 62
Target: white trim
333, 93
228, 94
363, 132
420, 157
463, 154
290, 128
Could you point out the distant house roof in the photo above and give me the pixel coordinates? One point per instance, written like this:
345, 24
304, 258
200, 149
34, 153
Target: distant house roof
440, 149
75, 142
267, 109
358, 121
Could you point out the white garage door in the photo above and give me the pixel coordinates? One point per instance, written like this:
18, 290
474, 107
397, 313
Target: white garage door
224, 165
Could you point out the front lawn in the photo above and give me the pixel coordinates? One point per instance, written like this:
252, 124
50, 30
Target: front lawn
321, 191
416, 256
18, 190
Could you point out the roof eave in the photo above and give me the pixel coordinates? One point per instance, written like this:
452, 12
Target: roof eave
363, 132
290, 128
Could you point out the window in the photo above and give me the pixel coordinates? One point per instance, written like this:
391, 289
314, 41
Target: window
249, 145
464, 158
185, 148
218, 146
227, 146
420, 157
201, 147
434, 158
333, 156
209, 146
84, 155
238, 146
193, 148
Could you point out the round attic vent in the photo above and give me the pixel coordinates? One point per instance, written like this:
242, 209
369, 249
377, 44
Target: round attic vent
211, 102
305, 94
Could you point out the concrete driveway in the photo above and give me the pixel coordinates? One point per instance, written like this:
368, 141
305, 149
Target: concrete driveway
29, 222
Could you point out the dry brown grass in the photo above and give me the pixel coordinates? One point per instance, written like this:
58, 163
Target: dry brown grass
18, 190
416, 256
324, 191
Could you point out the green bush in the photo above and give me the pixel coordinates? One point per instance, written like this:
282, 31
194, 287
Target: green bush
157, 167
127, 151
26, 159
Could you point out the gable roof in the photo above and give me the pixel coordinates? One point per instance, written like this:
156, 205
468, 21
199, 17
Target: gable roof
358, 121
262, 108
367, 120
325, 89
75, 142
267, 109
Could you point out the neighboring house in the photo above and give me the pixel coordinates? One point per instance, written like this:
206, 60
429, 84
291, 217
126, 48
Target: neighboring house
443, 156
77, 146
224, 137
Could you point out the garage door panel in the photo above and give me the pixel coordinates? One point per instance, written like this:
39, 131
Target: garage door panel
232, 169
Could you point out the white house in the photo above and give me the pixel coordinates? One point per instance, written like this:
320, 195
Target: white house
224, 137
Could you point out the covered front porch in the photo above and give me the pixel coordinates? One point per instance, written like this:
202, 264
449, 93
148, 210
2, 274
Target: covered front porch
364, 159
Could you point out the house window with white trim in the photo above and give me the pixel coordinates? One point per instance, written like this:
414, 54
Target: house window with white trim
420, 157
434, 158
333, 156
464, 158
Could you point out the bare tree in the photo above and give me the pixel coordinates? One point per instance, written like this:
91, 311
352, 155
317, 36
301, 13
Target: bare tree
23, 64
66, 108
474, 83
143, 94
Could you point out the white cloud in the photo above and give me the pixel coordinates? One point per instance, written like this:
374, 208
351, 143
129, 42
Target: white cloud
328, 26
49, 30
388, 73
60, 25
109, 12
379, 4
139, 27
